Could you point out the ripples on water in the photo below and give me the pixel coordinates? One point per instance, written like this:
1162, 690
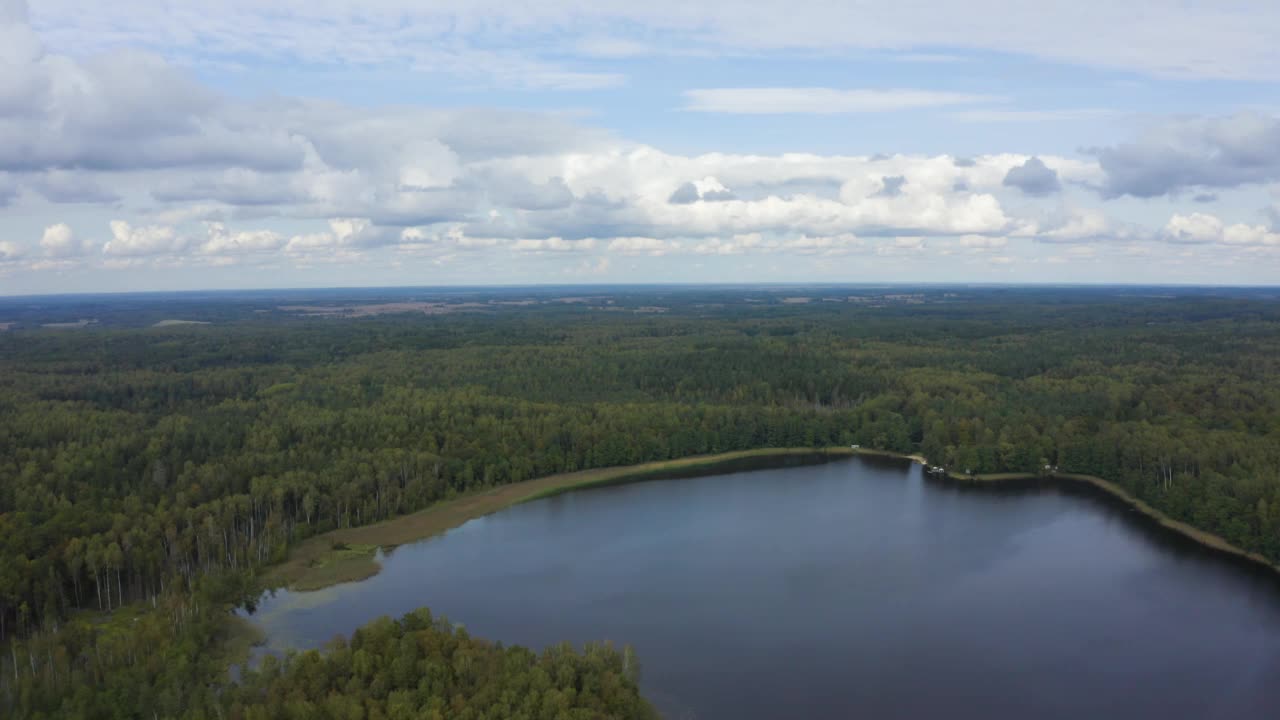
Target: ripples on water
853, 589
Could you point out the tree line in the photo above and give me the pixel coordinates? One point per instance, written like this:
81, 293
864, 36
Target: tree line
162, 466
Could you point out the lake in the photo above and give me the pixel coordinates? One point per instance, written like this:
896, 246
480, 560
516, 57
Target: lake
854, 589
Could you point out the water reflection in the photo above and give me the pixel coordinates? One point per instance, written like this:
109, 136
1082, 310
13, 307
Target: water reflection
855, 589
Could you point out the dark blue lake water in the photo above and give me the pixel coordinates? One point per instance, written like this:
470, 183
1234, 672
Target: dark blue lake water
856, 589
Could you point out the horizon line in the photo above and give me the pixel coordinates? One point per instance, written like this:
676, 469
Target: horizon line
642, 285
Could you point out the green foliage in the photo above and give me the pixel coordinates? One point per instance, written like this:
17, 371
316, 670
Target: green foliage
141, 660
423, 667
141, 465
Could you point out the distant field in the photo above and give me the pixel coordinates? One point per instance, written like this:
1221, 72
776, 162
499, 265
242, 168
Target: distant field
170, 323
370, 310
69, 325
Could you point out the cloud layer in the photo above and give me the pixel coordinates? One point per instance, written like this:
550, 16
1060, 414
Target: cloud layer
822, 101
510, 42
127, 160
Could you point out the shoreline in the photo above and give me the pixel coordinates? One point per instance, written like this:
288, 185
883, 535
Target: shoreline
350, 554
916, 458
1187, 531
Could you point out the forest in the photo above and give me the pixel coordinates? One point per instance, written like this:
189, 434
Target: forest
425, 667
149, 474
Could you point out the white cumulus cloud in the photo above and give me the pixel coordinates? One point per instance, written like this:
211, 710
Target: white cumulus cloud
127, 240
1197, 228
58, 241
10, 251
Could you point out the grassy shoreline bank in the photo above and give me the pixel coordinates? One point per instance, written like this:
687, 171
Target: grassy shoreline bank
913, 457
350, 554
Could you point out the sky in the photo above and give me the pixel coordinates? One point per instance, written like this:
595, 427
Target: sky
175, 144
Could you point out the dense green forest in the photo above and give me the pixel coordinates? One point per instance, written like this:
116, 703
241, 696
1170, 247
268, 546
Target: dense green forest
158, 469
422, 667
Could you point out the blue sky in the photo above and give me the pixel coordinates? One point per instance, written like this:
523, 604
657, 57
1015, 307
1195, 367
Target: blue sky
149, 144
